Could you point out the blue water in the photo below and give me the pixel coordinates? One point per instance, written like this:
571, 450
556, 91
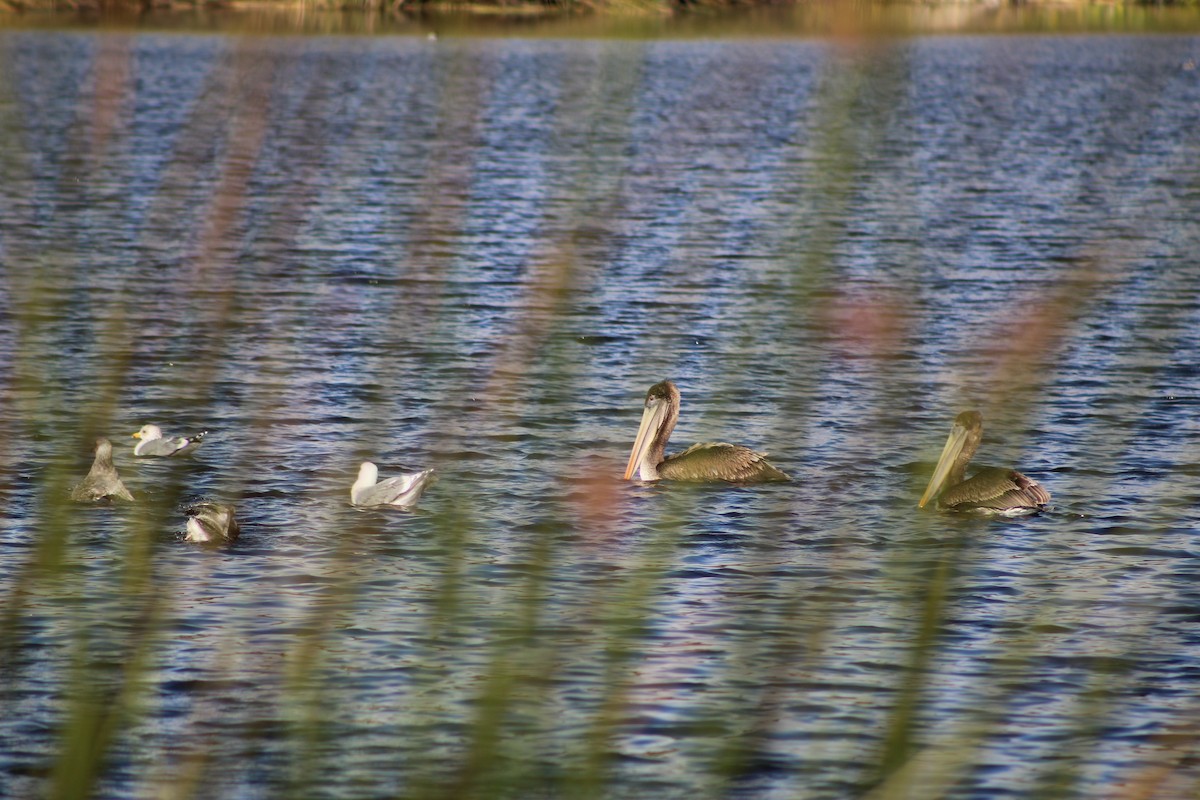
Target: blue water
477, 255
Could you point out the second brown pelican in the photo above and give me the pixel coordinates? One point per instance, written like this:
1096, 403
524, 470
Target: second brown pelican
710, 461
991, 490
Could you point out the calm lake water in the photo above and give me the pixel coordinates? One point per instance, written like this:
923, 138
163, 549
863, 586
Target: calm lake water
477, 255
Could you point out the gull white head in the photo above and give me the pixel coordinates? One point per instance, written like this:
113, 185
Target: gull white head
368, 475
148, 432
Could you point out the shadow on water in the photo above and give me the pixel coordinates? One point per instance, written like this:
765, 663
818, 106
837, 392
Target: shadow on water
476, 255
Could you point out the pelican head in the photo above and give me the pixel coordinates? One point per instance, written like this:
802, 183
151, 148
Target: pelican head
658, 420
960, 447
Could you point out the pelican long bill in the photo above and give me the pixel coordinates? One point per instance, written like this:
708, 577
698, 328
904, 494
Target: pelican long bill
651, 422
954, 446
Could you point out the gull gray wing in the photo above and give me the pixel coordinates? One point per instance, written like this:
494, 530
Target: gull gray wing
403, 490
167, 445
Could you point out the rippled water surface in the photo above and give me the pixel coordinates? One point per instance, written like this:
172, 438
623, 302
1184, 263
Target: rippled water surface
477, 256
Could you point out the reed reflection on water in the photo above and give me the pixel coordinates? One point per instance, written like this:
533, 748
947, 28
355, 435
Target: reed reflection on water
476, 256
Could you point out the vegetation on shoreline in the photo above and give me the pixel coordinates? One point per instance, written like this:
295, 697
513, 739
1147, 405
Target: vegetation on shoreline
637, 19
525, 8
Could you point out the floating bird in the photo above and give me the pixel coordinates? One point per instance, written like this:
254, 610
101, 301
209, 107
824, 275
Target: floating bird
154, 444
710, 461
403, 491
991, 490
211, 523
102, 480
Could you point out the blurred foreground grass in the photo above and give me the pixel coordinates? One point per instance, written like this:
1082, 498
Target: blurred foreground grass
512, 743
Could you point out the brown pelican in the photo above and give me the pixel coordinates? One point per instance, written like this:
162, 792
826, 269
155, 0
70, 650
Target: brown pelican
154, 444
991, 490
710, 461
102, 480
211, 523
403, 491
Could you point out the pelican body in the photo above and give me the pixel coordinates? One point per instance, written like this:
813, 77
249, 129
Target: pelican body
991, 490
153, 443
211, 523
402, 491
710, 461
102, 481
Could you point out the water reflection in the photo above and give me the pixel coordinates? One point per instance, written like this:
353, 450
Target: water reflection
477, 254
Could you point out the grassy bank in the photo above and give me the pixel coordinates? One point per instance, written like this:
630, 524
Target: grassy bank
637, 19
520, 8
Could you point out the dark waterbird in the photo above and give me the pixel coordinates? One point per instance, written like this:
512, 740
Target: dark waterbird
991, 490
709, 461
211, 523
102, 480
